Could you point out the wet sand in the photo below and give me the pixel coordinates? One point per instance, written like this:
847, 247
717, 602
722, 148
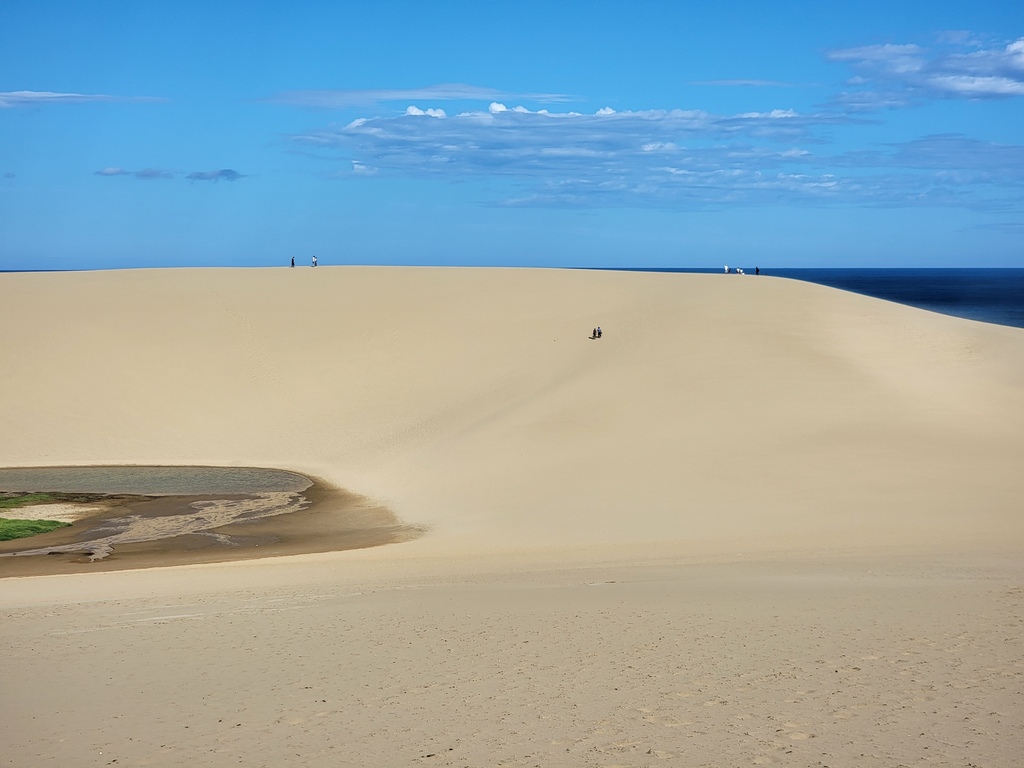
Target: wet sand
120, 531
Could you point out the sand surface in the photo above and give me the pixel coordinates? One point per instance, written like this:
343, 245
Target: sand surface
758, 522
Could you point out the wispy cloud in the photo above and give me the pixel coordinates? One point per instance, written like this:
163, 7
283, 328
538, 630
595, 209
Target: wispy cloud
225, 174
520, 141
673, 158
345, 98
958, 67
1009, 227
146, 174
150, 174
747, 83
691, 158
12, 99
680, 188
951, 153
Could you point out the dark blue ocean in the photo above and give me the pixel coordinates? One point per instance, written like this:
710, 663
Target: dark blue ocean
989, 295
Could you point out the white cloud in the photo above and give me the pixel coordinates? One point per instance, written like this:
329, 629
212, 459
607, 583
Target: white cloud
675, 158
1015, 53
960, 67
521, 141
609, 154
774, 114
414, 110
693, 158
977, 87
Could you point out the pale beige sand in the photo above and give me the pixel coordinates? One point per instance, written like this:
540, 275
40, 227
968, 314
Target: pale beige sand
758, 522
65, 513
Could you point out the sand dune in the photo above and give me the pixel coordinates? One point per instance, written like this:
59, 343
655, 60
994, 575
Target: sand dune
715, 409
850, 467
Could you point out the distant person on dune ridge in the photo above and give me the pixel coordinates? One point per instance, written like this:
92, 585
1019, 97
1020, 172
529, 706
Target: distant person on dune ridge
293, 261
314, 261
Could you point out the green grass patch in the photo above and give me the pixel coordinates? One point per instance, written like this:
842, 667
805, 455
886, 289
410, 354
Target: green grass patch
19, 529
26, 499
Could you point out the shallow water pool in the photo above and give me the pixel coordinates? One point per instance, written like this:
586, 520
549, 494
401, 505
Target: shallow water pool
152, 481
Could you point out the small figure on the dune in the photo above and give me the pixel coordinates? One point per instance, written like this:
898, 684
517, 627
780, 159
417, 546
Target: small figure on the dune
593, 334
293, 262
599, 331
314, 261
727, 269
757, 271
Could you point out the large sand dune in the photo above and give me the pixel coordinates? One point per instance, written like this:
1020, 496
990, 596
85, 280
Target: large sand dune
714, 410
835, 462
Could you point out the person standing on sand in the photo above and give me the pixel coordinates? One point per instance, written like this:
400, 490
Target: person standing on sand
293, 261
314, 261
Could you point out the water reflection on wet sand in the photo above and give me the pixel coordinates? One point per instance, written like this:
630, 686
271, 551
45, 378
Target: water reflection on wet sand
145, 523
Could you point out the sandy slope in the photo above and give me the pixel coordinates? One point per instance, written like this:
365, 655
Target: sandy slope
715, 409
852, 466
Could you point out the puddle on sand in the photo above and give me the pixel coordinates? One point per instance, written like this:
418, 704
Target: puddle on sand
150, 516
151, 481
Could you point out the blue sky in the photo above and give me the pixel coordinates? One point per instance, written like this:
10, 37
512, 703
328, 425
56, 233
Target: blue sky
526, 133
